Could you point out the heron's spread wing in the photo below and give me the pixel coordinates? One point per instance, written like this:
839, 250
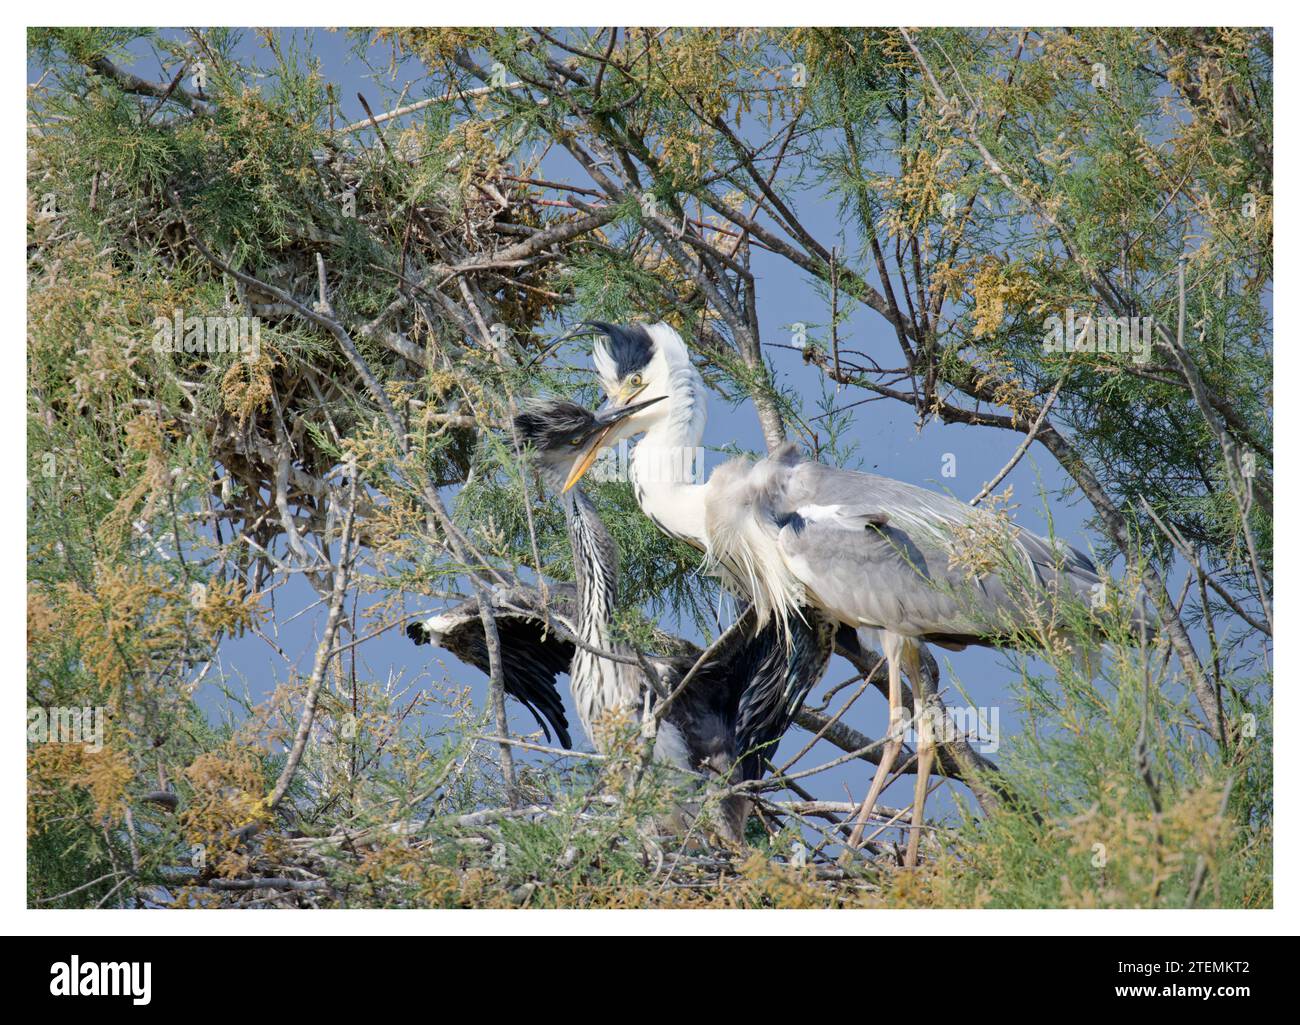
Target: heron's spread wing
530, 662
531, 655
789, 666
755, 683
881, 552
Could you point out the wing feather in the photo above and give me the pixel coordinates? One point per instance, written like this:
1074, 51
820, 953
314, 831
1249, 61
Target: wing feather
880, 552
532, 657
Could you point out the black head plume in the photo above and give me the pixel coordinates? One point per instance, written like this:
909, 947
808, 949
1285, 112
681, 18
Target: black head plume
553, 424
627, 347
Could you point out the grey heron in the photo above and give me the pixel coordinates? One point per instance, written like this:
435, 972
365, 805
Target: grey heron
874, 554
737, 704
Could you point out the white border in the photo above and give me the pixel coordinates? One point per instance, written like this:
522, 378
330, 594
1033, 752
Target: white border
19, 920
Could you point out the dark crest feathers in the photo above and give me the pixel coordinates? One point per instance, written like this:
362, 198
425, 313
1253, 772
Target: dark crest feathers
629, 346
547, 423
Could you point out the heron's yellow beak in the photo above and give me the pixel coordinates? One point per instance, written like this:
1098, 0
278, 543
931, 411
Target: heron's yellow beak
588, 457
609, 418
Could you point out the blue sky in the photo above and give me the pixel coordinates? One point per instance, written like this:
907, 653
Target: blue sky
885, 434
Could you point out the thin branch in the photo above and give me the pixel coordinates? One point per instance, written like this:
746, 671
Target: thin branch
1022, 448
323, 652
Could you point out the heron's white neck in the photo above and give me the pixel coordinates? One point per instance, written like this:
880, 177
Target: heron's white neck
602, 686
599, 685
668, 461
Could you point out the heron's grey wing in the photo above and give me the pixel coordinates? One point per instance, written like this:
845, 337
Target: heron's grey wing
919, 511
901, 573
532, 656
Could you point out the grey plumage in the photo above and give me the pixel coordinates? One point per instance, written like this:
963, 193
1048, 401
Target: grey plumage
873, 554
883, 553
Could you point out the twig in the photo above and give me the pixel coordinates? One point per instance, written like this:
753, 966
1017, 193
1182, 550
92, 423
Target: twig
323, 652
374, 120
77, 889
270, 883
1198, 875
1023, 447
529, 746
1184, 549
132, 83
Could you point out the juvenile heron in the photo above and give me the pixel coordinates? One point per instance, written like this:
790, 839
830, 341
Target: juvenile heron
738, 703
872, 553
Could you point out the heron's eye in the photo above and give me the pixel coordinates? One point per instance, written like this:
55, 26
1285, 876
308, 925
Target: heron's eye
575, 442
635, 380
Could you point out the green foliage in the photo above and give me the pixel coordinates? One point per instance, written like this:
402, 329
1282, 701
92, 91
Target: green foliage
1088, 827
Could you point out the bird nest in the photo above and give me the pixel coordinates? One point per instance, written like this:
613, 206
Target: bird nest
597, 852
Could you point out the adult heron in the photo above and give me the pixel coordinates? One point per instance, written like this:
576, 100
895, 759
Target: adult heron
873, 553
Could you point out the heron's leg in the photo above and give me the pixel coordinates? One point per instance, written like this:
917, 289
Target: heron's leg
924, 749
894, 739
